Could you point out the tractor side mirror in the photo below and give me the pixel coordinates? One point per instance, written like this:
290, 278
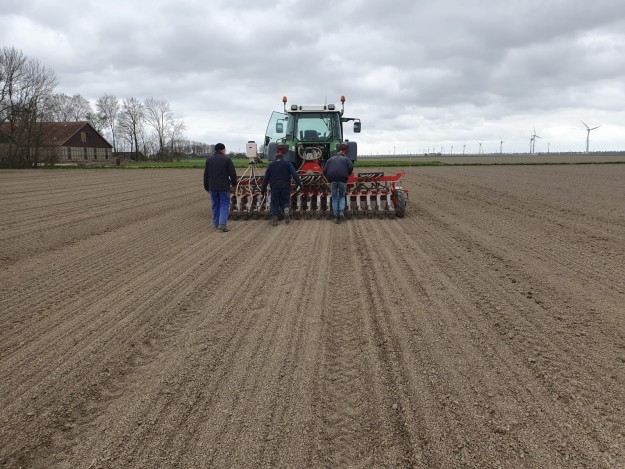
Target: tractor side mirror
279, 128
357, 127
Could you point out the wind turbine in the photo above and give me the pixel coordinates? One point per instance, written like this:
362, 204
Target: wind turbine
500, 146
533, 141
588, 129
480, 150
451, 150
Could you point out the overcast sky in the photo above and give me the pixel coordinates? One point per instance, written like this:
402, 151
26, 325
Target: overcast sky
421, 74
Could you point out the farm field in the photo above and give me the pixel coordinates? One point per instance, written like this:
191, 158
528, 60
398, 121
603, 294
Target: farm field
485, 329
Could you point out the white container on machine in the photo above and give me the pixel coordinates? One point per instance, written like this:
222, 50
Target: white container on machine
251, 150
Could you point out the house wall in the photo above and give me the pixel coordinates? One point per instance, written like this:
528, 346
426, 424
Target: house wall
87, 137
81, 154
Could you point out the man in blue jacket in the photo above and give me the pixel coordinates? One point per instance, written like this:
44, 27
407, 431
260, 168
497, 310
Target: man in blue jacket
219, 174
278, 176
337, 171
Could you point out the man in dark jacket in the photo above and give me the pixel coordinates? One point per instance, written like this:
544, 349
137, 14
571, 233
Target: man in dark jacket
219, 174
337, 171
278, 176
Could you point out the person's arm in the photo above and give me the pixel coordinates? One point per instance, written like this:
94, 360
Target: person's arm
350, 165
263, 188
206, 185
232, 173
296, 177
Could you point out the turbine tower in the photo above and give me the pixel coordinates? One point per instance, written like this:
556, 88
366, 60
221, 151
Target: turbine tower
588, 129
500, 146
533, 141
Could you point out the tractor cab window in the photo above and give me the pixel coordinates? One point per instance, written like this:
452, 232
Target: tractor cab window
277, 128
315, 126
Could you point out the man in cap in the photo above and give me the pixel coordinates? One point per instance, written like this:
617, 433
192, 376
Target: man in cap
219, 174
337, 170
278, 175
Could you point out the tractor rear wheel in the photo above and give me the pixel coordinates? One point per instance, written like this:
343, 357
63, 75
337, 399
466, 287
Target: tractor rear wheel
400, 205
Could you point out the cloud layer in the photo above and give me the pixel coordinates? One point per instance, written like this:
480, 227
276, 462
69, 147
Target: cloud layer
420, 74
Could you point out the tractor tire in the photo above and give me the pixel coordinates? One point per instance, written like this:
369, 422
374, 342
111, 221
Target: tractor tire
400, 207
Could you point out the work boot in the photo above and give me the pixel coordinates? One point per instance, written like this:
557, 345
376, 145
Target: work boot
342, 215
223, 228
274, 221
287, 215
337, 220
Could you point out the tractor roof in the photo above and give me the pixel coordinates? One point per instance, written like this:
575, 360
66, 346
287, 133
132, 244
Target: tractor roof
326, 108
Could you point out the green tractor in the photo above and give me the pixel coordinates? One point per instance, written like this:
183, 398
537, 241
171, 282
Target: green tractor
301, 127
308, 136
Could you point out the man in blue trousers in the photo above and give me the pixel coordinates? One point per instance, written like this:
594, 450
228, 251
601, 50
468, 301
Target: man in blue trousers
337, 171
219, 174
278, 176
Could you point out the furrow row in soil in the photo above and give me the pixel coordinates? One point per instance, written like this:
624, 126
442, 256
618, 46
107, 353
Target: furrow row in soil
567, 365
108, 339
484, 329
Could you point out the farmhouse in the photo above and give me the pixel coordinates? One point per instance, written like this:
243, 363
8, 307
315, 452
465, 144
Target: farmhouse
66, 141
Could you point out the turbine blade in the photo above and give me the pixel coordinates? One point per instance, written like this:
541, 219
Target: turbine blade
584, 124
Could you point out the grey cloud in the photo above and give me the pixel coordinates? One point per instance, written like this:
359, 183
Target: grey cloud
474, 66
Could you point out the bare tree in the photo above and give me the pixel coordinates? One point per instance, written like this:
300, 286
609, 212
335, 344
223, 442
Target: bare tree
80, 108
159, 116
131, 121
108, 110
64, 108
12, 64
25, 89
59, 108
176, 138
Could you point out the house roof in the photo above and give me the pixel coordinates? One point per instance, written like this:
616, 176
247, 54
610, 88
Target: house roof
57, 133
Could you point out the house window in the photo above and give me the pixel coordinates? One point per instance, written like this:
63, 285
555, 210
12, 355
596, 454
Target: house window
84, 151
83, 137
95, 153
69, 153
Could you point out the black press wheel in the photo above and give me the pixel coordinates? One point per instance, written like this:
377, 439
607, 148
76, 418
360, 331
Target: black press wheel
400, 203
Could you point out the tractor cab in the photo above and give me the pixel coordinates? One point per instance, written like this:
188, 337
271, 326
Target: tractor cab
300, 130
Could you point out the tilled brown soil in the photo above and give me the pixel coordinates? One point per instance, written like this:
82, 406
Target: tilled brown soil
485, 329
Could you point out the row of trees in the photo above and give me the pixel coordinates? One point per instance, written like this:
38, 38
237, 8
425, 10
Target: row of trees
27, 98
